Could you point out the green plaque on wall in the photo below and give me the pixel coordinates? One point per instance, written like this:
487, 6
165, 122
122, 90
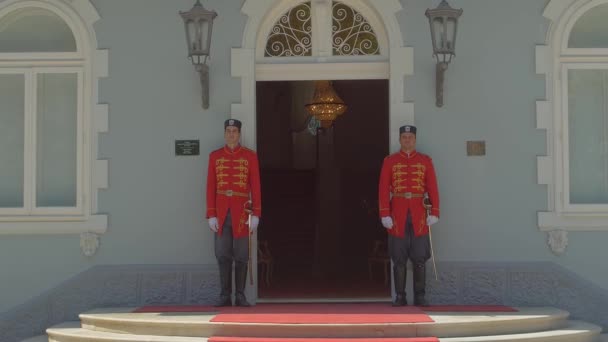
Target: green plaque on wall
187, 147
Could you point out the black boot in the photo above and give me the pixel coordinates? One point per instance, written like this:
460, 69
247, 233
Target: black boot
240, 278
419, 284
225, 284
399, 276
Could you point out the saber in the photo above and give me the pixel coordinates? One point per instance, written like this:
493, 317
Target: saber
249, 262
432, 253
427, 204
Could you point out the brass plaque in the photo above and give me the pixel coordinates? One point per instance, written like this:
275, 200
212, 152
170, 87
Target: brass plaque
476, 148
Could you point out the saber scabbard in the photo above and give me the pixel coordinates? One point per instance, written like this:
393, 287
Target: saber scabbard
248, 209
432, 253
427, 204
250, 262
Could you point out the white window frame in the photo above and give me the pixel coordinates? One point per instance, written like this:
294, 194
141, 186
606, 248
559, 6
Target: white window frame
30, 151
89, 64
554, 60
568, 206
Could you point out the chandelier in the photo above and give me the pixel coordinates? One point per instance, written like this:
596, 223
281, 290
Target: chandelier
326, 105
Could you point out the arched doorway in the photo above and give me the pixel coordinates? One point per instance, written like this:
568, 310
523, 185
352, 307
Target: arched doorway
322, 60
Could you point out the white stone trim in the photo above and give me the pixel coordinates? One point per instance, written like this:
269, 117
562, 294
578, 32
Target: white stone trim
314, 71
543, 59
261, 14
56, 226
548, 221
80, 16
551, 60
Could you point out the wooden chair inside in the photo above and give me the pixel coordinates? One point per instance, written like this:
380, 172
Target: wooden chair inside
379, 255
265, 262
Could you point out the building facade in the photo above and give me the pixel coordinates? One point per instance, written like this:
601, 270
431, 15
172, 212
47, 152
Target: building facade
96, 208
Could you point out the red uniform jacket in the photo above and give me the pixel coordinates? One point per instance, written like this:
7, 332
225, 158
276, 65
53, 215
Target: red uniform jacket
403, 181
233, 178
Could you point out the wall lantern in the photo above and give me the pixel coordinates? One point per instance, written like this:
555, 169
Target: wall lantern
444, 25
199, 24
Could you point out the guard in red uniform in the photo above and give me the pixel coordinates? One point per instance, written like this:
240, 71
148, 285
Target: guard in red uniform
233, 185
405, 177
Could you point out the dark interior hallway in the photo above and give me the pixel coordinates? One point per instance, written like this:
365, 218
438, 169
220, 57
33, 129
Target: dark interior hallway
319, 223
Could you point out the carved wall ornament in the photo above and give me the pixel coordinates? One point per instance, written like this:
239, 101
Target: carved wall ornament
89, 242
558, 241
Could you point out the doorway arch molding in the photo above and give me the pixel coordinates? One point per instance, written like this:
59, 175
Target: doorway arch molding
394, 64
397, 64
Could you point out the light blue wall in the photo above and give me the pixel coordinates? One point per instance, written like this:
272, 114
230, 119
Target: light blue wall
489, 203
155, 200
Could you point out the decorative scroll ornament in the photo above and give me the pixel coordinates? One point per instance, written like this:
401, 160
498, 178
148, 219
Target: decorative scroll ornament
352, 34
558, 241
89, 242
292, 34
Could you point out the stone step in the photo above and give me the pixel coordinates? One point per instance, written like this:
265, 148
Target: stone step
574, 331
446, 324
72, 332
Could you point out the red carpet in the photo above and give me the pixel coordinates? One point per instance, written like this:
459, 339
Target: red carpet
174, 308
323, 314
305, 313
263, 339
467, 308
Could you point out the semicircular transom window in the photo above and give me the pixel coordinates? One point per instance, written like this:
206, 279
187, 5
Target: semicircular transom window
35, 30
291, 35
591, 30
352, 33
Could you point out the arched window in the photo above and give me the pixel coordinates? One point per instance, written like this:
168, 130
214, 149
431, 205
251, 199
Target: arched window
585, 94
35, 30
578, 112
46, 119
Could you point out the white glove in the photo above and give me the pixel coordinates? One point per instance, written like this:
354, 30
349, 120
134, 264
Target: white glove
255, 221
431, 220
213, 225
387, 222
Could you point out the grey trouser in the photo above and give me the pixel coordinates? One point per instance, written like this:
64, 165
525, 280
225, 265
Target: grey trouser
417, 249
228, 248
